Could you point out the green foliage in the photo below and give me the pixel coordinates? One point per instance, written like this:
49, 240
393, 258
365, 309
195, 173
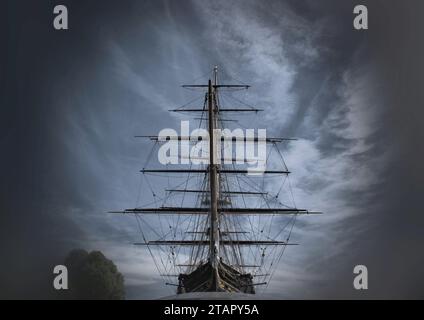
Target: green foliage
93, 276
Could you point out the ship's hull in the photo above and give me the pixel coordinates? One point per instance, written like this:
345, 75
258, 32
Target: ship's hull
223, 278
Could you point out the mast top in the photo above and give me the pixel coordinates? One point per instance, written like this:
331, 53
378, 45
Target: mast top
215, 75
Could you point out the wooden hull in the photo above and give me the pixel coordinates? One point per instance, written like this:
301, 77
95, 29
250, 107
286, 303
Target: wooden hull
224, 278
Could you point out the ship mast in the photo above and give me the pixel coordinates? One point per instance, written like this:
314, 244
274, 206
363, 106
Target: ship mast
213, 176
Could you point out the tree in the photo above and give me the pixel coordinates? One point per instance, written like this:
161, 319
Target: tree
92, 276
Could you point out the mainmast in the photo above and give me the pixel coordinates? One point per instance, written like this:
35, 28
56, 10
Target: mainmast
213, 180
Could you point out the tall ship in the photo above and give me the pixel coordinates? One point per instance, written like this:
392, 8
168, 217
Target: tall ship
226, 212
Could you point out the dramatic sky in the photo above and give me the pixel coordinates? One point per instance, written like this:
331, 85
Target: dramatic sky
72, 101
